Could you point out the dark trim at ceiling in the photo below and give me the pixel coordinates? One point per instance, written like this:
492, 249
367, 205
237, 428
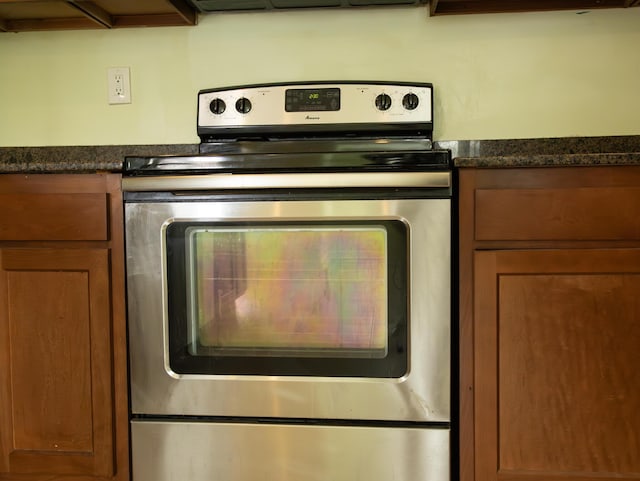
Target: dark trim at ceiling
93, 12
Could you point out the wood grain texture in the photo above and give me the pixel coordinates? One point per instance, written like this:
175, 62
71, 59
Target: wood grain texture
556, 355
466, 183
591, 213
515, 427
118, 327
59, 335
62, 302
571, 342
50, 360
29, 15
49, 217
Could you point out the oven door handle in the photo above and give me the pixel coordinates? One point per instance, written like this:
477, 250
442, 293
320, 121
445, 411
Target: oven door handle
317, 180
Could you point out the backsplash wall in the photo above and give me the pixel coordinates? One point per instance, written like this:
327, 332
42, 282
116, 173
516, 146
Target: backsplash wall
548, 74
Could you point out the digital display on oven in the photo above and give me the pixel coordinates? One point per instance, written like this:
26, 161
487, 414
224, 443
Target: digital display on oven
312, 100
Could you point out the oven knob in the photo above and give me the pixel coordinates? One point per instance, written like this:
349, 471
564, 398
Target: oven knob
217, 106
410, 101
383, 102
243, 105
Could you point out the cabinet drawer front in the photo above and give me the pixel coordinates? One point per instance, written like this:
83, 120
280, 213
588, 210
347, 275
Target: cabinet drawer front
589, 213
26, 217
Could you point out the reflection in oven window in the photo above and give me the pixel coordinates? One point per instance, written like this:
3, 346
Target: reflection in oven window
296, 290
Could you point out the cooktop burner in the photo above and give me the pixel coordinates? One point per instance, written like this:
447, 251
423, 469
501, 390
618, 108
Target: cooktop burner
308, 127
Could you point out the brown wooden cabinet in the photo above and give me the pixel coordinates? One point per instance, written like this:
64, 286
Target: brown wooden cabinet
550, 324
63, 385
449, 7
22, 16
30, 15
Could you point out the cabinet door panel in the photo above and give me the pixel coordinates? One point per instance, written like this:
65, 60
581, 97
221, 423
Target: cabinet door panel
557, 350
57, 375
36, 348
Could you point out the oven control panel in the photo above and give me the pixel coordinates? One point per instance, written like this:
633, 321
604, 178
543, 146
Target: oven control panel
325, 105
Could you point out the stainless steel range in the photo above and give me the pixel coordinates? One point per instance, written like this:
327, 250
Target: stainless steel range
289, 290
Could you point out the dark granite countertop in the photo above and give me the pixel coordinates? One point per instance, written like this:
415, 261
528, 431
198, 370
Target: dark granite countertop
567, 151
81, 159
562, 151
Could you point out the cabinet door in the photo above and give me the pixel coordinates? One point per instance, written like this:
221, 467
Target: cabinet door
56, 396
557, 365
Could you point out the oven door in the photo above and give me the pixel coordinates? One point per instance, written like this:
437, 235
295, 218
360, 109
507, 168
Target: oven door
320, 308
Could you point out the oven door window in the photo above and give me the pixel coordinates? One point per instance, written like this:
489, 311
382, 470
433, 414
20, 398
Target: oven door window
303, 298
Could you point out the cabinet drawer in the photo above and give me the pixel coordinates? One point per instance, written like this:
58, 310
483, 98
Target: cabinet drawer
33, 217
587, 213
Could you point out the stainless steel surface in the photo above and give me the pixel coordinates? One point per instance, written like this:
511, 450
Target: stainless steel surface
422, 395
377, 144
166, 451
357, 105
279, 156
280, 152
279, 181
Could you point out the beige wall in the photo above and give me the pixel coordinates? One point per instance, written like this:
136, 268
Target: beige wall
496, 76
